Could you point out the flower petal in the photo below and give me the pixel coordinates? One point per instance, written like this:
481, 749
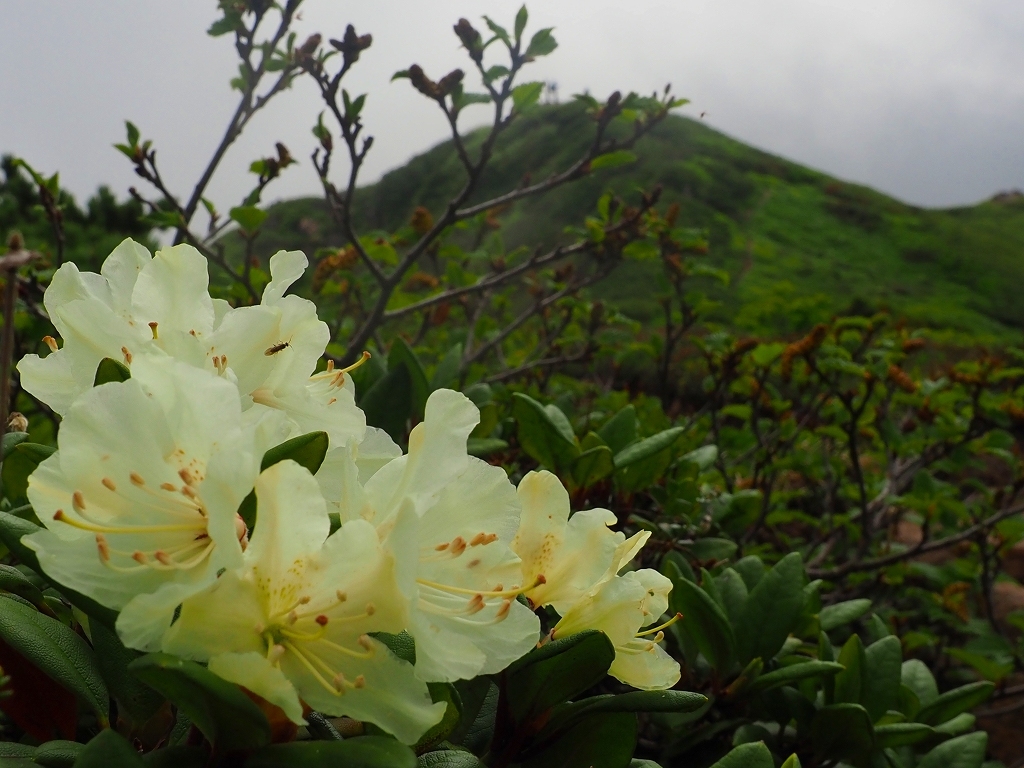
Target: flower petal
253, 671
173, 291
121, 269
285, 268
645, 665
49, 379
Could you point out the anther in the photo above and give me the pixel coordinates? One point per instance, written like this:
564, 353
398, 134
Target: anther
108, 484
473, 563
186, 491
370, 609
241, 531
162, 557
140, 557
339, 682
359, 682
441, 547
458, 546
275, 653
78, 501
357, 363
152, 327
342, 597
168, 487
330, 363
293, 616
50, 342
332, 401
136, 478
186, 476
260, 628
304, 600
506, 605
103, 547
482, 538
127, 355
365, 642
322, 620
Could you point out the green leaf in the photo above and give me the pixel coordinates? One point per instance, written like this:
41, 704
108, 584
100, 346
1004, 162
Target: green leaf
541, 44
388, 403
794, 673
12, 529
402, 354
902, 734
58, 753
849, 681
108, 749
952, 703
452, 714
485, 446
14, 581
308, 450
753, 755
647, 448
543, 436
842, 732
837, 615
642, 250
765, 354
360, 752
880, 683
634, 701
134, 698
447, 370
248, 217
613, 159
601, 740
704, 621
526, 95
57, 651
962, 752
772, 611
479, 712
227, 717
131, 132
620, 430
791, 762
918, 678
704, 457
557, 672
592, 465
11, 439
448, 758
499, 32
178, 756
520, 25
110, 370
710, 548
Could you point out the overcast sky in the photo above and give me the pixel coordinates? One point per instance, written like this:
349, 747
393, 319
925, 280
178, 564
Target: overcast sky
922, 99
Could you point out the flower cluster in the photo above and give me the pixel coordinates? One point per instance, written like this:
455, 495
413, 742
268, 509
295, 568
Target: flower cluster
141, 508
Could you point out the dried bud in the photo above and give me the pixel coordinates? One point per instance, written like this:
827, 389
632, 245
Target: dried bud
470, 39
900, 378
351, 45
912, 345
304, 53
420, 281
447, 83
421, 220
284, 158
15, 241
17, 422
422, 83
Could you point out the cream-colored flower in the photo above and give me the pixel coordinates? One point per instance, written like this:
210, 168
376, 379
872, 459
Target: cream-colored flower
464, 614
293, 623
140, 499
142, 304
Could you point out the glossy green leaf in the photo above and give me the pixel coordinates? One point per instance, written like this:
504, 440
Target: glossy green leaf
109, 749
918, 678
388, 403
401, 354
772, 611
647, 448
485, 446
633, 701
526, 95
791, 762
308, 450
794, 673
447, 372
614, 159
58, 753
848, 683
902, 734
448, 758
705, 622
592, 466
248, 217
57, 651
620, 430
360, 752
227, 717
542, 43
951, 703
111, 370
962, 752
842, 732
880, 683
542, 435
753, 755
835, 616
9, 440
14, 581
557, 672
600, 740
135, 699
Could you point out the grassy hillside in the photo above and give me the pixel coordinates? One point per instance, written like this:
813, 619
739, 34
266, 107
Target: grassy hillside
789, 236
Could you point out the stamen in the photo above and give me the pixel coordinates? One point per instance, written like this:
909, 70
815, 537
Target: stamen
364, 640
321, 620
50, 342
442, 547
458, 546
340, 682
136, 478
494, 593
152, 327
104, 549
304, 600
275, 652
342, 597
78, 502
109, 484
506, 606
140, 557
127, 355
667, 624
186, 476
473, 563
360, 682
370, 609
330, 364
162, 557
483, 538
168, 487
86, 526
357, 363
329, 686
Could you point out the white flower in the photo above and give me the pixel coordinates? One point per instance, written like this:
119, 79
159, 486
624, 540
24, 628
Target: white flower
579, 559
620, 606
464, 614
571, 553
141, 304
140, 500
292, 624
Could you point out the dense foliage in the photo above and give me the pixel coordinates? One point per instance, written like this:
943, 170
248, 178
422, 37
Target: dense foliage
833, 501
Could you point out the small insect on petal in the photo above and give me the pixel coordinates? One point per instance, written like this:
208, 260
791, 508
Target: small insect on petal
277, 348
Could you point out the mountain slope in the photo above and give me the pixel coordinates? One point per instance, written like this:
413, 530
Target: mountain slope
801, 246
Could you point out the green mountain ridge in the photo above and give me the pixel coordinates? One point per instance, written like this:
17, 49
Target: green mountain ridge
799, 245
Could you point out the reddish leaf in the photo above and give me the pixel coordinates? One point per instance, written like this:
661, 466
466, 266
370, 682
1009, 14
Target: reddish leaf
37, 705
